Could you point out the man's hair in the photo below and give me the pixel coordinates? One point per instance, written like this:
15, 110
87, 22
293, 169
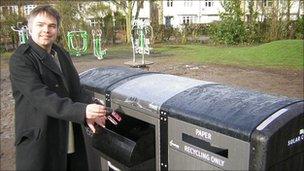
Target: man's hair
46, 9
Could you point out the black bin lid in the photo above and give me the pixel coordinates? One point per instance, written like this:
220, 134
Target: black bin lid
232, 111
100, 79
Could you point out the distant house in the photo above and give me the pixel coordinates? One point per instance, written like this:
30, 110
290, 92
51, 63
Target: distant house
177, 12
25, 9
190, 11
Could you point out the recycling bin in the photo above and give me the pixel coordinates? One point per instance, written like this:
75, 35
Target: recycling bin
222, 128
178, 123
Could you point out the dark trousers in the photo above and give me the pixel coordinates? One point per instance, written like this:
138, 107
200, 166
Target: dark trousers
72, 162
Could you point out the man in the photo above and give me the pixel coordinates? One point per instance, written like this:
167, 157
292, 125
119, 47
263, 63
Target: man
48, 99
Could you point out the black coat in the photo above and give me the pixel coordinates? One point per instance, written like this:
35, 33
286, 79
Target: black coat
45, 100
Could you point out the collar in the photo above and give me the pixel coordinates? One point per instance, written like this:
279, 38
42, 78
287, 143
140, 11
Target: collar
46, 58
53, 52
42, 53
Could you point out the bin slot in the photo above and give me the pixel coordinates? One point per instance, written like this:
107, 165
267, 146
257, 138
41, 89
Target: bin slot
130, 143
130, 127
204, 145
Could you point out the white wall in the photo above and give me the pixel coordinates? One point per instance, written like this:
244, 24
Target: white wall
197, 11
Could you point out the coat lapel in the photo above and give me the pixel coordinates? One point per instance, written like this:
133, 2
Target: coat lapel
45, 57
47, 60
51, 64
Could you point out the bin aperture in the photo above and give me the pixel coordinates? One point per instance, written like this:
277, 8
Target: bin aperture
131, 142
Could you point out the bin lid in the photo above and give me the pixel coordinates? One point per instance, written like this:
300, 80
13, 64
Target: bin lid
149, 92
231, 111
101, 79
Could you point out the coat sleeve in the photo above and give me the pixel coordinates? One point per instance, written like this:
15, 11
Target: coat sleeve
26, 80
85, 96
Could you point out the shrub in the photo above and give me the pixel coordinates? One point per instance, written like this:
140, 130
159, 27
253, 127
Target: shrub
299, 28
230, 30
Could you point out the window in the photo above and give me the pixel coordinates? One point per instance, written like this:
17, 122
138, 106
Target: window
9, 10
168, 21
267, 3
188, 3
28, 9
4, 10
169, 3
93, 22
188, 19
208, 3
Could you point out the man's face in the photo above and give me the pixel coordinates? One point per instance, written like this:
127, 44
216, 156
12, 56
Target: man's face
44, 30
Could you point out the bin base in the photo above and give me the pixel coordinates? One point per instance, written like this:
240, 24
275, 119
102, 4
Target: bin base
110, 164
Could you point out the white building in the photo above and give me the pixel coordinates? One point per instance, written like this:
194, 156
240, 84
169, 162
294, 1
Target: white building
9, 9
176, 13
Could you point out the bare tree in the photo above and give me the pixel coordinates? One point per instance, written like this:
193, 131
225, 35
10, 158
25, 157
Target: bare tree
139, 5
126, 7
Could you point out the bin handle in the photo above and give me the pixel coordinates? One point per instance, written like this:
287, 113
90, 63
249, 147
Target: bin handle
112, 166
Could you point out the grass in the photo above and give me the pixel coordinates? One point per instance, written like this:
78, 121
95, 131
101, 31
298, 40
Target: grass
284, 54
6, 55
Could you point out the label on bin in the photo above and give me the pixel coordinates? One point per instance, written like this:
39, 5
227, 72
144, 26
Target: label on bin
171, 143
297, 139
197, 153
203, 134
204, 156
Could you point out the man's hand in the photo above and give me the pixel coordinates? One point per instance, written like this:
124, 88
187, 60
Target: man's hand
100, 121
95, 114
94, 110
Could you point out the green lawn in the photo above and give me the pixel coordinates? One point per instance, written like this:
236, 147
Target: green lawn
6, 55
284, 54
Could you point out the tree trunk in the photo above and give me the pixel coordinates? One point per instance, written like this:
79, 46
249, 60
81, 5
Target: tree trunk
154, 13
114, 28
160, 12
288, 25
139, 4
128, 21
126, 6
